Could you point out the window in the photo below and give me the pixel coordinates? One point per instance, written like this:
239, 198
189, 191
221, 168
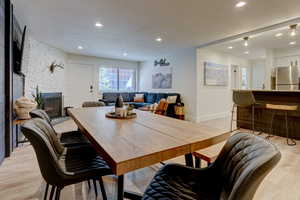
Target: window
117, 79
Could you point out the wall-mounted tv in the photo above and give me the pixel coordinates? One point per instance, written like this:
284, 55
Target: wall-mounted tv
18, 39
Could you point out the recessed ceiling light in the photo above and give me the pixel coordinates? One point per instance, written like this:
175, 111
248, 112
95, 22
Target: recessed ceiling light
125, 54
231, 47
278, 34
159, 39
246, 52
293, 43
98, 24
80, 47
240, 4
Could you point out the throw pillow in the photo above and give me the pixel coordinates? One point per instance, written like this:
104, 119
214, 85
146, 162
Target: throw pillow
139, 98
139, 95
171, 99
162, 107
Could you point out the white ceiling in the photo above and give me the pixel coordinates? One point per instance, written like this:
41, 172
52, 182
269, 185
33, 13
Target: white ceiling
132, 25
260, 43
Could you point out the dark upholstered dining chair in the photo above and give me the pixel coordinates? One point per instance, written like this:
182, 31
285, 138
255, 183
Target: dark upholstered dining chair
72, 138
61, 166
236, 174
93, 104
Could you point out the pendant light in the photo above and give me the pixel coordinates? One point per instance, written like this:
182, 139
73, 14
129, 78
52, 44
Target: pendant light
246, 39
293, 30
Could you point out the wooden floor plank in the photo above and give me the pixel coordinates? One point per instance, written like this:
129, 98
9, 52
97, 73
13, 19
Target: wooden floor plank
20, 178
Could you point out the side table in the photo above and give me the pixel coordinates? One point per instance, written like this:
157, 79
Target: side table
18, 123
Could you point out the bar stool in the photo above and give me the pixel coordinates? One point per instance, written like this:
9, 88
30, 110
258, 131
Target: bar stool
243, 99
282, 108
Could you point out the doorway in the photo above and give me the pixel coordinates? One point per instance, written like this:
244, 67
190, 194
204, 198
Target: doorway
234, 77
80, 84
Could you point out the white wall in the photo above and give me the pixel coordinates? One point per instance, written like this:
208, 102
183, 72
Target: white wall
83, 71
73, 81
284, 57
258, 73
37, 58
184, 78
214, 101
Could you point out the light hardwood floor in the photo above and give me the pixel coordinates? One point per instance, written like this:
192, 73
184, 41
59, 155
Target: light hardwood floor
20, 178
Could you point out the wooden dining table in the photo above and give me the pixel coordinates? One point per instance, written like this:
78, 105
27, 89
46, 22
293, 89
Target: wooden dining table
148, 139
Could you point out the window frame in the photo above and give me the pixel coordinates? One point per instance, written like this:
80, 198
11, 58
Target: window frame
101, 90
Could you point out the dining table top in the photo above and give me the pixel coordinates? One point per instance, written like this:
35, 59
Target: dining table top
148, 139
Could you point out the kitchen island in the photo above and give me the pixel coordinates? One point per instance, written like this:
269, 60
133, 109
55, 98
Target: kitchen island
262, 116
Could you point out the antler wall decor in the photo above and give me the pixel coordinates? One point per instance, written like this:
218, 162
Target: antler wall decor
54, 65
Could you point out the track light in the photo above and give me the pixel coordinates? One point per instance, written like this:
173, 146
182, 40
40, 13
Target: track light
246, 41
293, 30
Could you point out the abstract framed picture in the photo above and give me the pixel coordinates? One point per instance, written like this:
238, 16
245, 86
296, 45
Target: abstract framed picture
215, 74
162, 77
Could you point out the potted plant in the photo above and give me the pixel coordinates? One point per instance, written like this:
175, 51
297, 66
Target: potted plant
38, 97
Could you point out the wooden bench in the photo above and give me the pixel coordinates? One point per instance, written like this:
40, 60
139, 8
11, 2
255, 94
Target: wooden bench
209, 154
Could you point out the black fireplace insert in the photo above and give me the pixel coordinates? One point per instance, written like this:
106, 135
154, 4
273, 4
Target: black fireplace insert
52, 104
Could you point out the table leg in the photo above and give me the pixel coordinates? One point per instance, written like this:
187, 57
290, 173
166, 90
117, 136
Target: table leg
189, 160
126, 194
121, 187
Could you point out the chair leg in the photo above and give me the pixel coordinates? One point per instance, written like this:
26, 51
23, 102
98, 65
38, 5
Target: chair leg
259, 114
89, 184
95, 187
232, 112
46, 191
197, 162
253, 118
57, 194
102, 188
271, 126
52, 192
293, 143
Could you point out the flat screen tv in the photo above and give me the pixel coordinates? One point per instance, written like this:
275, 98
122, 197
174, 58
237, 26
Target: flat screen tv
18, 39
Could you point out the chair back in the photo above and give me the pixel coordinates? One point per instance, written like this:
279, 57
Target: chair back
242, 165
47, 148
243, 98
93, 104
39, 113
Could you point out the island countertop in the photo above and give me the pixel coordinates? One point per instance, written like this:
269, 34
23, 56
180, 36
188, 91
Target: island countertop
261, 90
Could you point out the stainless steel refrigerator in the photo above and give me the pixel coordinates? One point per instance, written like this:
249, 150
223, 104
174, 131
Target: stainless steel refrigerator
287, 78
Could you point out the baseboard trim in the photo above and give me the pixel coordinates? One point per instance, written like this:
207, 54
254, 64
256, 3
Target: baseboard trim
213, 116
